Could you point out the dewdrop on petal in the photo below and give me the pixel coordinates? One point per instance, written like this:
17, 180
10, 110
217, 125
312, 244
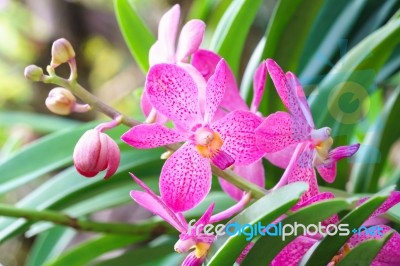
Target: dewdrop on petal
61, 52
95, 152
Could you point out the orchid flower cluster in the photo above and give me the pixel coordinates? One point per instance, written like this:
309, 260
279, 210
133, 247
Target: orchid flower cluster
195, 90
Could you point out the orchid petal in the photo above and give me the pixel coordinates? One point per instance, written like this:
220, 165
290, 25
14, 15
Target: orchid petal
167, 31
258, 86
190, 39
389, 254
215, 90
301, 97
114, 157
301, 169
293, 252
287, 93
278, 131
237, 132
374, 218
185, 179
192, 260
327, 171
343, 152
244, 253
173, 92
153, 203
205, 218
205, 62
157, 54
147, 136
281, 158
253, 172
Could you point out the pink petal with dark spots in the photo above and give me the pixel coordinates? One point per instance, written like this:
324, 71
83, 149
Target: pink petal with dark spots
190, 39
185, 179
292, 254
343, 152
149, 200
258, 86
327, 171
237, 132
147, 136
146, 107
215, 90
278, 131
222, 160
172, 91
281, 158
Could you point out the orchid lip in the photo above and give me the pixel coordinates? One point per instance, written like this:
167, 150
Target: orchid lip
320, 135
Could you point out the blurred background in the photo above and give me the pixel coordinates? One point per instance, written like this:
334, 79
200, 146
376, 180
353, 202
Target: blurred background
106, 67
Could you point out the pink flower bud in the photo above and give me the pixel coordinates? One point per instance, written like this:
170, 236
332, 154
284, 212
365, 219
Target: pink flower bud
60, 101
96, 152
61, 52
33, 73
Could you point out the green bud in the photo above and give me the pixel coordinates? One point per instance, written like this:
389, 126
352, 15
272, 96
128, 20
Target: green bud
33, 73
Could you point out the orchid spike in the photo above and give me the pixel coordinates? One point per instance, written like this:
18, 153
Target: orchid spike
295, 130
96, 151
186, 175
191, 236
165, 50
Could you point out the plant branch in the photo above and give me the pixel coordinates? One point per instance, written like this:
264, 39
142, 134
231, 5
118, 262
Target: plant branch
145, 229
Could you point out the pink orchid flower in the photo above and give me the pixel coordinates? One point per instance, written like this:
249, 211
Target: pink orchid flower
205, 62
191, 237
285, 132
389, 255
186, 176
164, 50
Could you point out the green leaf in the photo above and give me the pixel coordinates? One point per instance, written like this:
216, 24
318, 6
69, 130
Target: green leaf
49, 245
267, 247
327, 248
371, 158
364, 253
230, 35
136, 34
39, 122
226, 249
85, 252
286, 35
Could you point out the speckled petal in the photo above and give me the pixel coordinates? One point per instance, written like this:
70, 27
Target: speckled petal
281, 158
185, 179
147, 136
389, 254
167, 32
172, 91
287, 92
278, 131
253, 172
391, 201
215, 90
258, 86
149, 200
327, 171
343, 152
146, 107
301, 169
206, 61
190, 39
237, 132
293, 252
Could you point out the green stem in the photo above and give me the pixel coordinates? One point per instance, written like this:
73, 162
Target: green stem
99, 105
145, 229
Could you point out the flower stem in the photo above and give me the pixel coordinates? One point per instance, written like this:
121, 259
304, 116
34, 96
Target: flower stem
102, 107
145, 229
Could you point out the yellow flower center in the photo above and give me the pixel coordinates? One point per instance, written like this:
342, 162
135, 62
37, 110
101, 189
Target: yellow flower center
209, 145
201, 249
323, 151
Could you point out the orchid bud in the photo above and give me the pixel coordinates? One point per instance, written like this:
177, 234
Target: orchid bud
61, 101
96, 152
61, 52
33, 73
